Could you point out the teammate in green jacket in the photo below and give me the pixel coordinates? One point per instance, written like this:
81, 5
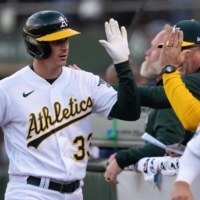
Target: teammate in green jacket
162, 123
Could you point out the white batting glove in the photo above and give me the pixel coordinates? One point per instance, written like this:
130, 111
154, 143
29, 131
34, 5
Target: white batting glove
117, 43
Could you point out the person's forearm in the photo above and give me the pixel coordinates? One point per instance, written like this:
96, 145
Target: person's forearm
151, 96
131, 156
189, 167
185, 105
127, 106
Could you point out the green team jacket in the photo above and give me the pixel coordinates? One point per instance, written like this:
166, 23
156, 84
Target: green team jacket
154, 97
163, 125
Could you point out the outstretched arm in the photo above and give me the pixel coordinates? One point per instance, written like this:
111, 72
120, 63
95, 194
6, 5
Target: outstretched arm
151, 96
155, 96
127, 106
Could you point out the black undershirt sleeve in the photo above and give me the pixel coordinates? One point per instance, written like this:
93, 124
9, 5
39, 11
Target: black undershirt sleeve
127, 106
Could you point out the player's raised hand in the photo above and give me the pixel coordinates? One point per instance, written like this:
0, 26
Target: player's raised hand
117, 43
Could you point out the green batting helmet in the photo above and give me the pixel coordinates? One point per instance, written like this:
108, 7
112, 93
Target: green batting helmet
42, 27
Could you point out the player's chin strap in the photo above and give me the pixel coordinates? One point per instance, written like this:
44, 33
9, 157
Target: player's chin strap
117, 43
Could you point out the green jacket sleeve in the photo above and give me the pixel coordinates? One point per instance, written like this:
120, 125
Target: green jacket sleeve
151, 96
155, 97
166, 128
127, 106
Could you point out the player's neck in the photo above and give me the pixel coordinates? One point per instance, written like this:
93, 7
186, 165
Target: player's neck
45, 70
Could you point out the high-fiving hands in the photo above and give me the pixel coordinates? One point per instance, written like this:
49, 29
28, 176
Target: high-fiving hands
117, 43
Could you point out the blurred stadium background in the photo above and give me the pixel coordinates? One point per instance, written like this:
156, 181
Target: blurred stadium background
143, 19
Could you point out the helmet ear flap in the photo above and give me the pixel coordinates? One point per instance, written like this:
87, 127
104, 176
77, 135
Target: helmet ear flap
39, 50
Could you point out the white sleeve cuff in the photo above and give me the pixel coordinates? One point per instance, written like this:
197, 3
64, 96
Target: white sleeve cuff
189, 167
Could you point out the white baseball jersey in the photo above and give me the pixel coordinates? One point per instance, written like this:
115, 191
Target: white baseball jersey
190, 161
48, 128
194, 143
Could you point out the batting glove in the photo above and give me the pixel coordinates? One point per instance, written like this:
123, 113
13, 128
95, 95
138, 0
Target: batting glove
117, 43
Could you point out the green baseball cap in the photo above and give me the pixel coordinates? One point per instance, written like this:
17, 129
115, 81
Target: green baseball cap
191, 32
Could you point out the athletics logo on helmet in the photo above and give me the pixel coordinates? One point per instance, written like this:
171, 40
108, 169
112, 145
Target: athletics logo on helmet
64, 22
191, 32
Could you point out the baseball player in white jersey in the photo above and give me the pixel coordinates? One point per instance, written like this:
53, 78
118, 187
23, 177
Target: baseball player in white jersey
45, 110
